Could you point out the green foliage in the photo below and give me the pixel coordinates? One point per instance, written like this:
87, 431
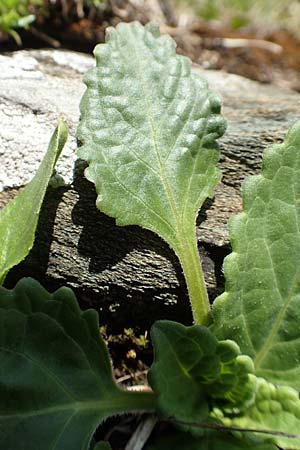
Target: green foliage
192, 371
209, 10
149, 171
276, 408
260, 309
18, 220
56, 381
223, 9
211, 441
148, 130
94, 3
16, 14
238, 13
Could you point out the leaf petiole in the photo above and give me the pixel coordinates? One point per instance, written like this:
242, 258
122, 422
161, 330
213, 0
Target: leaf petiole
190, 262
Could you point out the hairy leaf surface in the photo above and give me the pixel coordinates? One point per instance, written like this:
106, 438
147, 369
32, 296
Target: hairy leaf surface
192, 370
260, 309
18, 220
56, 383
276, 408
149, 127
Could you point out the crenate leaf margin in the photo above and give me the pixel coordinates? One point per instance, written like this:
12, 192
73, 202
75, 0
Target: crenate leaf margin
193, 371
56, 381
277, 409
260, 308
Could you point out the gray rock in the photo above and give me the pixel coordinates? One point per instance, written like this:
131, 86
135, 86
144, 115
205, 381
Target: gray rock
117, 269
36, 88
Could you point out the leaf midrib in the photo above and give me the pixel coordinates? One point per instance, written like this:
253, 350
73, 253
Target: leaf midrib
78, 406
163, 177
49, 373
125, 187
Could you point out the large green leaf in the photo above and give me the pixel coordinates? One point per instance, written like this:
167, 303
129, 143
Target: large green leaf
18, 220
192, 371
148, 128
260, 309
276, 408
56, 381
211, 441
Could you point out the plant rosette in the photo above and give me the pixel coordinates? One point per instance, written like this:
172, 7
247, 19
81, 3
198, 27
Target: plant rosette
231, 380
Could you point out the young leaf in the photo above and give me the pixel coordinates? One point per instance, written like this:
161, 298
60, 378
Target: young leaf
18, 220
211, 441
148, 128
276, 408
56, 383
260, 309
192, 370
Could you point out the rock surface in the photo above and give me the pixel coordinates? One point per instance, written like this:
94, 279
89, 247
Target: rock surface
123, 272
36, 88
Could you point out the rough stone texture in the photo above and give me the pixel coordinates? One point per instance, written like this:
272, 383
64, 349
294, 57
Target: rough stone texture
36, 88
128, 274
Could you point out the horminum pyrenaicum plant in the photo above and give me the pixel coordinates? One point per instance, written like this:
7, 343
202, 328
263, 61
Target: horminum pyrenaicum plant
231, 380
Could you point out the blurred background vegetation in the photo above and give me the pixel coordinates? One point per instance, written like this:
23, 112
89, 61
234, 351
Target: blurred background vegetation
21, 14
18, 14
241, 13
258, 39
